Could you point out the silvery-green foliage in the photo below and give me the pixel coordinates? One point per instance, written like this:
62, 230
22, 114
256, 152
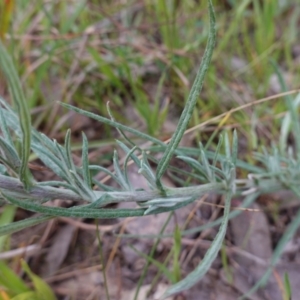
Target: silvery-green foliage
215, 171
20, 104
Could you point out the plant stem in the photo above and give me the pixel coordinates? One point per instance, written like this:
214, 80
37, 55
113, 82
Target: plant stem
15, 188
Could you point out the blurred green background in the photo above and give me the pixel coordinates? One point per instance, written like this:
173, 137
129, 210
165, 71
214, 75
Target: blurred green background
142, 57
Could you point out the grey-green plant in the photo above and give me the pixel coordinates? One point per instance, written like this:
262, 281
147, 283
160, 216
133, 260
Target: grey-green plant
215, 171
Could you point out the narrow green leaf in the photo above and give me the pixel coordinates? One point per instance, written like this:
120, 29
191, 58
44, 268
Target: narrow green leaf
4, 129
210, 154
119, 173
127, 150
146, 171
68, 149
172, 205
5, 162
55, 183
102, 261
82, 189
151, 254
42, 140
215, 159
165, 202
206, 165
85, 161
103, 200
3, 169
246, 203
192, 99
70, 23
104, 187
287, 287
113, 124
6, 217
11, 155
51, 161
15, 88
125, 165
231, 179
27, 296
158, 264
19, 225
196, 275
226, 266
11, 281
66, 163
42, 288
287, 236
121, 132
86, 213
227, 146
176, 256
234, 153
109, 173
195, 165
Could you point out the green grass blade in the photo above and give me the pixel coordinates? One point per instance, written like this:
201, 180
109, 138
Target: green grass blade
192, 99
159, 265
287, 287
26, 296
10, 73
43, 290
176, 256
102, 261
10, 280
6, 217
